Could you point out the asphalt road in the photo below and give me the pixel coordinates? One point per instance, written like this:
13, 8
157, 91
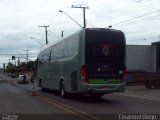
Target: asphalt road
109, 104
18, 100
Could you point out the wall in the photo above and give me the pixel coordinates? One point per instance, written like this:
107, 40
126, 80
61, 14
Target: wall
139, 57
153, 58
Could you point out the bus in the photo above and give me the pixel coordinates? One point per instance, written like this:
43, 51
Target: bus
90, 61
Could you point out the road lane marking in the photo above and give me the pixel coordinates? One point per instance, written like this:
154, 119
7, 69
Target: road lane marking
69, 109
65, 109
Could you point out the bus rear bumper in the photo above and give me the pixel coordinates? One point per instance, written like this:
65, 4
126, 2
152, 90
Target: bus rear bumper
104, 89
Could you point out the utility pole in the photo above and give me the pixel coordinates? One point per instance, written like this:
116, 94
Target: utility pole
4, 66
15, 62
45, 32
84, 16
18, 61
27, 55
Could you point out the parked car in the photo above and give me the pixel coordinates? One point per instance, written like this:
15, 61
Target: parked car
13, 76
23, 79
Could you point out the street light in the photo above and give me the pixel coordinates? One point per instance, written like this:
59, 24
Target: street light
36, 40
71, 18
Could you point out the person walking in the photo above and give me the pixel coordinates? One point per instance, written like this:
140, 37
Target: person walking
32, 78
24, 79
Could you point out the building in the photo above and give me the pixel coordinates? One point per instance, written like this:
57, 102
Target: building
142, 58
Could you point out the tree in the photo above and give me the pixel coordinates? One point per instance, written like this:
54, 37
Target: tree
31, 65
10, 68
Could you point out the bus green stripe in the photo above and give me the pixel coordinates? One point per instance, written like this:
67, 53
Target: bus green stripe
102, 81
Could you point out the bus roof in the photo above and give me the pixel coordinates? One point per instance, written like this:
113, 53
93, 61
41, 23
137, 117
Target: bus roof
55, 42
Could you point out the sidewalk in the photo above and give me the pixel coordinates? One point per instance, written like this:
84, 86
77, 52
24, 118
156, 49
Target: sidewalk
139, 91
5, 78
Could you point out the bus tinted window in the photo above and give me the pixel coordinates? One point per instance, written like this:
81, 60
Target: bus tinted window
104, 54
104, 50
104, 45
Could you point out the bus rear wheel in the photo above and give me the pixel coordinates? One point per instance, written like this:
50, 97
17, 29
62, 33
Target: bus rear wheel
95, 96
156, 84
148, 85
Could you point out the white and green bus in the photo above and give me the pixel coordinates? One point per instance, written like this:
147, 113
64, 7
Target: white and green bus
91, 61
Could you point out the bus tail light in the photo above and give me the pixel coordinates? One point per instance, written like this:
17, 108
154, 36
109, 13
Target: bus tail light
124, 73
83, 74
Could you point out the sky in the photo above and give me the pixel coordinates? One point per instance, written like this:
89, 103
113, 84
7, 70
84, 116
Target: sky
19, 21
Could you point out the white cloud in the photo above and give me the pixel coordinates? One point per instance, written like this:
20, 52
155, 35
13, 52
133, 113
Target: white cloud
19, 20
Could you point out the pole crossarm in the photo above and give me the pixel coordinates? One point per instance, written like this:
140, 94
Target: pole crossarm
80, 7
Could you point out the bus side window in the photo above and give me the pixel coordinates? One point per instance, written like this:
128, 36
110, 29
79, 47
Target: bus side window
39, 60
40, 63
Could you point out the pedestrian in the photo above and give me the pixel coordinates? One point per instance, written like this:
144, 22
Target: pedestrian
24, 79
32, 78
40, 80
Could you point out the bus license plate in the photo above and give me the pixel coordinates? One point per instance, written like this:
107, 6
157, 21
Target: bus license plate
104, 88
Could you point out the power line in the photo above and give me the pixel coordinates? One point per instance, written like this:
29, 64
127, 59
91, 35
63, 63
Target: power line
136, 17
137, 5
131, 13
55, 35
141, 8
132, 6
10, 54
140, 20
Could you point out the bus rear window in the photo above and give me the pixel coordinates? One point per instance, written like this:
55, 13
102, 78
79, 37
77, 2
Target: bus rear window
104, 45
103, 50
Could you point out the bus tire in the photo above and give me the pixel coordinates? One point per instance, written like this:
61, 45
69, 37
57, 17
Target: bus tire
62, 90
40, 82
42, 88
96, 96
148, 85
156, 84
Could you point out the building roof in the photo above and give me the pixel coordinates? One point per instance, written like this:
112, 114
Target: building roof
156, 43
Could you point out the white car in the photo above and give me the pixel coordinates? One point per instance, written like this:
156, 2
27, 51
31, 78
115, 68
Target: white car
20, 79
